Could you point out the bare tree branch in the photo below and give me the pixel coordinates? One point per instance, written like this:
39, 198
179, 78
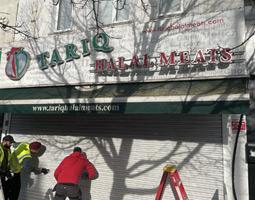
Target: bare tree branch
144, 7
118, 2
83, 3
95, 15
15, 29
246, 40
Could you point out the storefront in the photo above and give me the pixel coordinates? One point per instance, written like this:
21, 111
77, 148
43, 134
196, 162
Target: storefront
130, 151
134, 105
131, 137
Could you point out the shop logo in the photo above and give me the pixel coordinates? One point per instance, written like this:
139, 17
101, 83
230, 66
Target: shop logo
17, 63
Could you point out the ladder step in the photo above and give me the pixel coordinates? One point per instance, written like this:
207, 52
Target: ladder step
175, 183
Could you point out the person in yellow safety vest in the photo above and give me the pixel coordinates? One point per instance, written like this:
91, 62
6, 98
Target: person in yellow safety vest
21, 160
5, 156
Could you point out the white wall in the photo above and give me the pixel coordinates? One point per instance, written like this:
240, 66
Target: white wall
213, 28
241, 167
8, 10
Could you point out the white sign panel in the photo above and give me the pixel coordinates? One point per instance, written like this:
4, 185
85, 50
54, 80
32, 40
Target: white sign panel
193, 47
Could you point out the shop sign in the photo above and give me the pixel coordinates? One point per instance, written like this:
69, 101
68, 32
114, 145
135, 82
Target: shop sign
78, 107
18, 59
17, 63
235, 124
182, 59
174, 58
100, 42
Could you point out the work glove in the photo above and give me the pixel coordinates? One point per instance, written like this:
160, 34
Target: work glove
9, 175
45, 171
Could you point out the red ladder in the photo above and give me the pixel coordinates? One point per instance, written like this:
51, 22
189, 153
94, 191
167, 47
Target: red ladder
175, 182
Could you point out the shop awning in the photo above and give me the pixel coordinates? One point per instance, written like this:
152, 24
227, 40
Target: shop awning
208, 96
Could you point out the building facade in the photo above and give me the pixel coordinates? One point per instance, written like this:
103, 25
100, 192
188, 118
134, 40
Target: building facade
8, 16
138, 85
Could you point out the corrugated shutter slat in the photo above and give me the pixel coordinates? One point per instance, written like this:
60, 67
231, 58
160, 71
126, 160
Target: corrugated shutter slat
130, 151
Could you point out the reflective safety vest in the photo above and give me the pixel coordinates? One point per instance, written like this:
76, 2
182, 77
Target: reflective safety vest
18, 155
2, 154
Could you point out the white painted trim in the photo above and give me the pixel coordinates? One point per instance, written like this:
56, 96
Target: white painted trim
188, 98
172, 13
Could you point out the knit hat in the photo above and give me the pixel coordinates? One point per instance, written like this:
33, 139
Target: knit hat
35, 145
8, 138
77, 149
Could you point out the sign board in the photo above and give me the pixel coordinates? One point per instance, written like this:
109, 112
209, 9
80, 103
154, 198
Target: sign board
184, 48
235, 124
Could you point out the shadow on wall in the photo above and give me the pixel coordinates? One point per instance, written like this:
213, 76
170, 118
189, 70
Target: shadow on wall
216, 195
133, 160
85, 185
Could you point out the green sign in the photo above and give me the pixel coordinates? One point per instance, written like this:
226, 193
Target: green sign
100, 42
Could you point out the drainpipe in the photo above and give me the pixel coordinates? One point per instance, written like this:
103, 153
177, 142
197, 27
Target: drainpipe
239, 167
234, 156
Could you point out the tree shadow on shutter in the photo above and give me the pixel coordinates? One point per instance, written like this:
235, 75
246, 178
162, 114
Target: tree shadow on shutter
85, 185
216, 195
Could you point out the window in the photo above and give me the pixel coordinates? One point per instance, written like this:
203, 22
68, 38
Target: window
64, 15
249, 9
110, 11
249, 2
170, 7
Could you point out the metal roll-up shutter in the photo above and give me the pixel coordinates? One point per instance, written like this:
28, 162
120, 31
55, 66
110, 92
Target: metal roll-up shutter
2, 122
129, 152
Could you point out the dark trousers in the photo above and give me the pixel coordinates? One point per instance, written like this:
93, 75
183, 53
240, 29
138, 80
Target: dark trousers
69, 190
6, 187
11, 187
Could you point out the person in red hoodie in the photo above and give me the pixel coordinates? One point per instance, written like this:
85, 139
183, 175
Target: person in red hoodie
69, 172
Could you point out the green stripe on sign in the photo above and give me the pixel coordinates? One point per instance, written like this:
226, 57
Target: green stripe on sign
0, 55
196, 107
